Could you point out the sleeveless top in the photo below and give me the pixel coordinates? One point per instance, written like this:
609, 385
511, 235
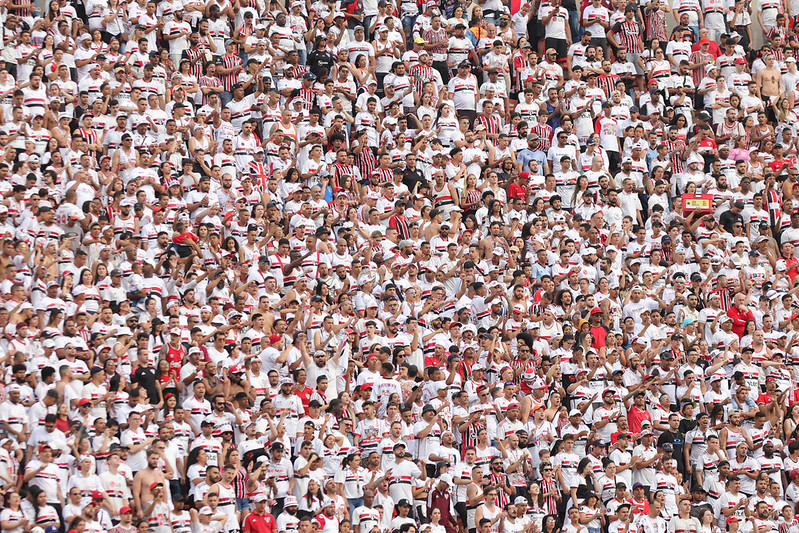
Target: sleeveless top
470, 510
733, 440
443, 197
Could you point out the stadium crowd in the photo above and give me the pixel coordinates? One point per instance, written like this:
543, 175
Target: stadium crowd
366, 266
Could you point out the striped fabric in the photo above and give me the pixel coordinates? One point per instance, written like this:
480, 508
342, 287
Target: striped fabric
228, 80
207, 81
627, 36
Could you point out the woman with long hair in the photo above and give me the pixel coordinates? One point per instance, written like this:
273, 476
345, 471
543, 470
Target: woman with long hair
78, 525
791, 421
12, 518
448, 123
786, 115
496, 213
53, 15
550, 524
97, 43
361, 71
658, 69
426, 107
472, 228
90, 292
592, 516
198, 462
311, 502
187, 81
581, 187
51, 163
750, 327
233, 457
534, 507
682, 126
735, 103
351, 479
435, 525
471, 198
40, 513
352, 189
48, 47
762, 130
158, 336
62, 418
168, 381
115, 19
101, 276
167, 412
458, 17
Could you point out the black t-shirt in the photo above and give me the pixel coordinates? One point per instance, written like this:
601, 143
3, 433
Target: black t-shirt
698, 509
687, 425
728, 220
411, 177
319, 60
677, 441
146, 377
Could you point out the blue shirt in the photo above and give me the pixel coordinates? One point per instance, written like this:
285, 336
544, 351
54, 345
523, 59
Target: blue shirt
525, 156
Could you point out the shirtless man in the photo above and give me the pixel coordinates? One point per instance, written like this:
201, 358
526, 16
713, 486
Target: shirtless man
493, 240
769, 80
144, 479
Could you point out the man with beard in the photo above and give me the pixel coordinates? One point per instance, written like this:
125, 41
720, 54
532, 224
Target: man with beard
744, 467
771, 463
514, 515
403, 471
674, 437
761, 518
145, 480
328, 521
684, 521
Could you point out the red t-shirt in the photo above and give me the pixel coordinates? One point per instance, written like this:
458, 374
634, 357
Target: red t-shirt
181, 239
255, 523
739, 320
639, 508
635, 416
776, 166
599, 334
305, 396
764, 399
791, 265
517, 191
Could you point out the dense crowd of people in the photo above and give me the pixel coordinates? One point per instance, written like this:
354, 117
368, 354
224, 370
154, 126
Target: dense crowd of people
366, 266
